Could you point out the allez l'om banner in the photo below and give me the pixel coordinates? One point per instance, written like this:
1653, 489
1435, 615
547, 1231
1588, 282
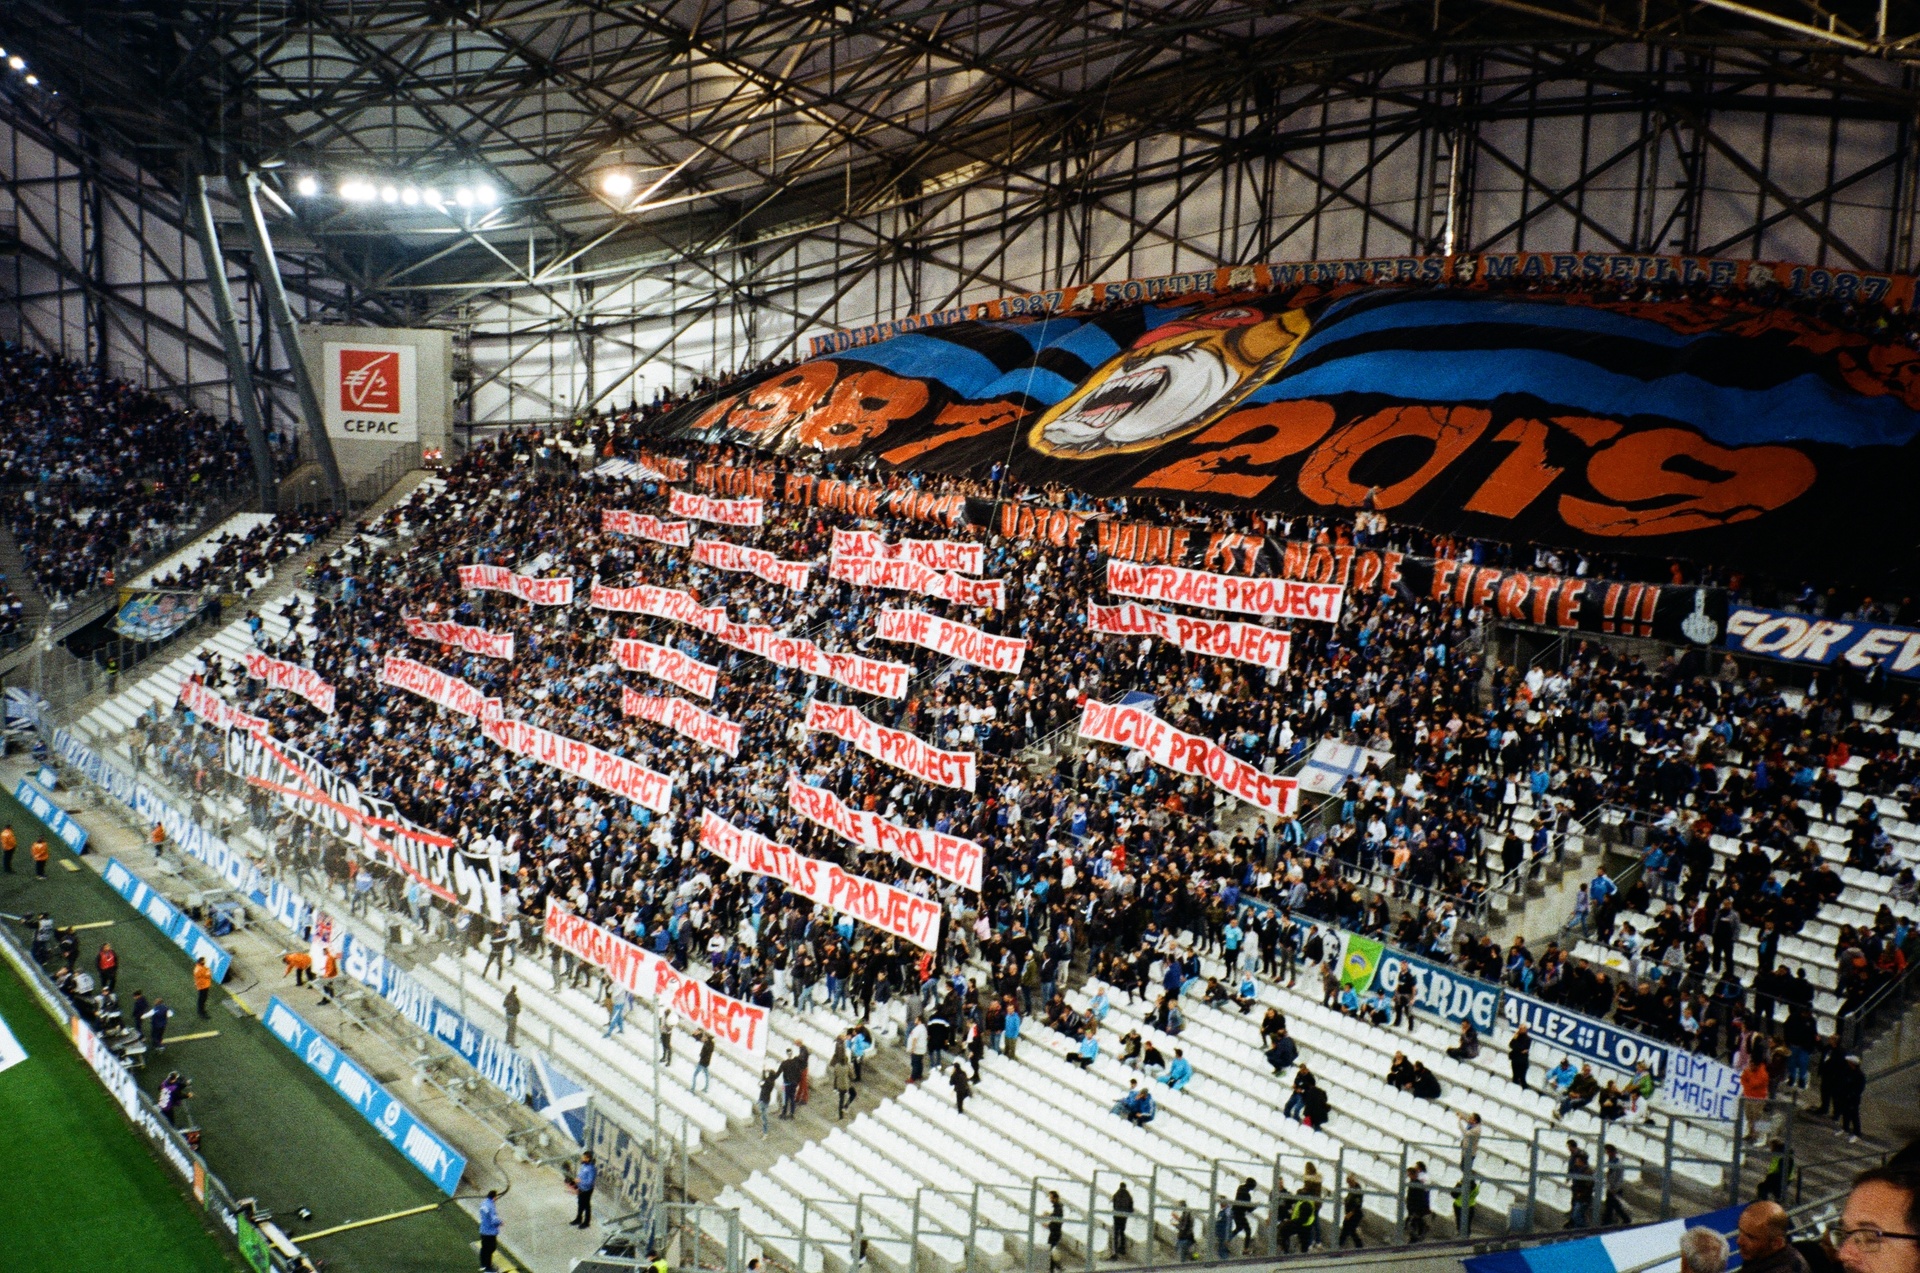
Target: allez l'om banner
494, 645
281, 675
644, 975
1133, 727
957, 555
684, 718
911, 576
951, 638
856, 672
948, 856
893, 747
889, 909
670, 665
619, 521
721, 555
1242, 594
721, 512
1216, 638
557, 591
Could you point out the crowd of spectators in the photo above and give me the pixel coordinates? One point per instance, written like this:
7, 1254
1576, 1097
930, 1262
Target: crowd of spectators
235, 561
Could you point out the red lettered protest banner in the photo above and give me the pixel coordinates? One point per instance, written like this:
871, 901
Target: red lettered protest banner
684, 718
721, 512
668, 664
437, 687
722, 555
892, 747
293, 678
889, 909
1217, 638
644, 975
1187, 754
948, 856
216, 711
618, 521
626, 778
956, 555
951, 638
911, 576
495, 645
1261, 595
557, 591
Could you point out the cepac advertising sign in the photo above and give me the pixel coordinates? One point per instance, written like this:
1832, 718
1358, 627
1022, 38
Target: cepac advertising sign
370, 392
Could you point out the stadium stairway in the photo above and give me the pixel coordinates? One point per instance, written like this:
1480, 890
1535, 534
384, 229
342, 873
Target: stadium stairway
20, 579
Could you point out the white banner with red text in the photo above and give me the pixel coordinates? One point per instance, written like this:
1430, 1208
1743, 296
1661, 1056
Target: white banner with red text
739, 1025
911, 576
948, 856
721, 512
495, 645
685, 718
291, 677
1260, 595
1217, 638
618, 521
216, 711
668, 664
739, 560
892, 747
557, 591
955, 555
885, 907
1135, 728
951, 638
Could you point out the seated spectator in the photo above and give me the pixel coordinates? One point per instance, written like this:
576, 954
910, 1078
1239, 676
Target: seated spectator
1424, 1085
1151, 1061
1561, 1076
1180, 1073
1087, 1052
1249, 994
1283, 1053
1469, 1046
1579, 1092
1302, 1080
1130, 1049
1400, 1072
1215, 995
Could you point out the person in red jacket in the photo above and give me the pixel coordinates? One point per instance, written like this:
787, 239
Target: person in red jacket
107, 964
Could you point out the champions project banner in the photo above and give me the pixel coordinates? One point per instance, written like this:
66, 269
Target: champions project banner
1723, 429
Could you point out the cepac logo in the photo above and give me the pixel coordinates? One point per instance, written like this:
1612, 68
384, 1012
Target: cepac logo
370, 381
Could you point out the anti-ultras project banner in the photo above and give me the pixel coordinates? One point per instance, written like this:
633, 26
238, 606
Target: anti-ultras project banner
1726, 429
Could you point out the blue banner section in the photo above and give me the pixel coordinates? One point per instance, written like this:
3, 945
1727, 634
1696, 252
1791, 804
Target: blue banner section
1583, 1037
183, 833
1442, 992
1808, 638
495, 1062
168, 918
389, 1117
41, 806
1616, 1252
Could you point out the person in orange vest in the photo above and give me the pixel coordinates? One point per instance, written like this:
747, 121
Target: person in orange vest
159, 838
328, 972
107, 964
202, 982
39, 852
300, 964
8, 843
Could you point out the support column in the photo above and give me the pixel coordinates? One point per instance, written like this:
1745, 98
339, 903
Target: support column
239, 369
267, 270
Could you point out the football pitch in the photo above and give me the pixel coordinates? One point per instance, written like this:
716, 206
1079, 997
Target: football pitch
271, 1128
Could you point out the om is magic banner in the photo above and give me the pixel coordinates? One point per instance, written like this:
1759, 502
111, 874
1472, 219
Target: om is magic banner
1718, 428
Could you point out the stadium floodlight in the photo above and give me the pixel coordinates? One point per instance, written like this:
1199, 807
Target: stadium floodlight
410, 195
486, 195
463, 197
33, 79
617, 183
17, 62
308, 186
389, 194
432, 196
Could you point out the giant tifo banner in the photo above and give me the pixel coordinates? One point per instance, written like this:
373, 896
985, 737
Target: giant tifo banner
911, 576
957, 555
722, 555
856, 672
1807, 638
1242, 594
721, 512
495, 645
889, 909
557, 591
619, 521
1136, 728
643, 974
281, 675
1216, 638
951, 638
1720, 428
683, 718
948, 856
892, 747
670, 665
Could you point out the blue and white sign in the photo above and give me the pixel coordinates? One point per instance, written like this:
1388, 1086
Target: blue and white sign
11, 1053
1809, 638
495, 1062
1701, 1087
1584, 1037
389, 1117
168, 918
1443, 992
41, 806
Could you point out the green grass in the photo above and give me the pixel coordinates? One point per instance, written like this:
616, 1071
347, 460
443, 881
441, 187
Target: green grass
84, 1190
271, 1128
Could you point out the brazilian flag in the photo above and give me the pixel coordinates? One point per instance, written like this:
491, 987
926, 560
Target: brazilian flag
1361, 962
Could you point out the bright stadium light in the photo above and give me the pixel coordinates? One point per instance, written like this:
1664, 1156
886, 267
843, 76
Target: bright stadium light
486, 195
33, 79
17, 62
308, 186
389, 194
463, 197
409, 195
617, 184
432, 196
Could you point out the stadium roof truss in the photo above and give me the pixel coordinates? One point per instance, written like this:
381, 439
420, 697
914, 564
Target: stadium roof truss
780, 168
